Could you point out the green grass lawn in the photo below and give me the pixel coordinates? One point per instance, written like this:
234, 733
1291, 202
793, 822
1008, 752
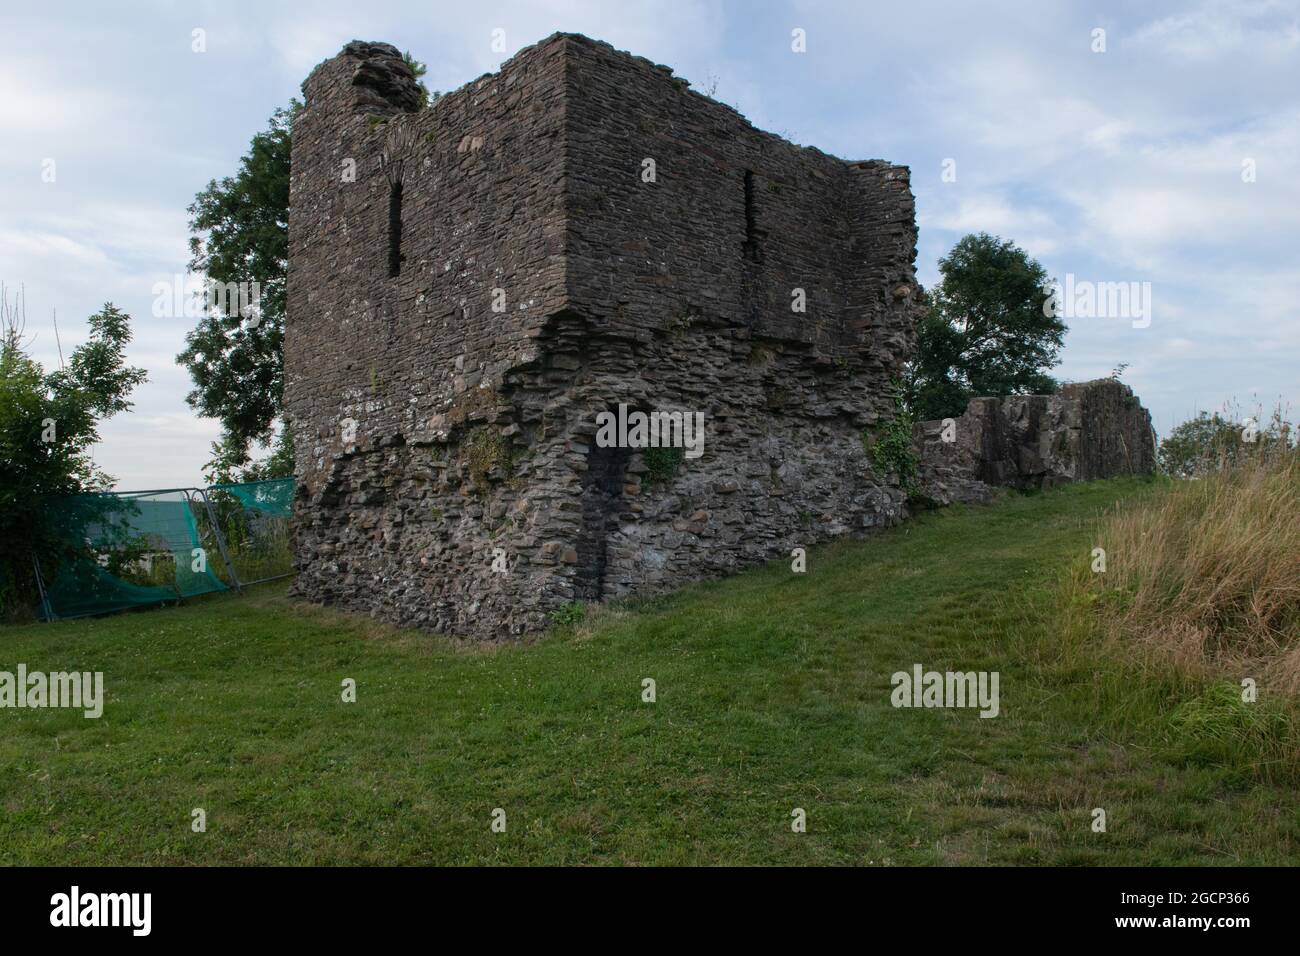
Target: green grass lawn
773, 693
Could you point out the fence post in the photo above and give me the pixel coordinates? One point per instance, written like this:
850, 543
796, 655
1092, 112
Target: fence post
46, 609
221, 540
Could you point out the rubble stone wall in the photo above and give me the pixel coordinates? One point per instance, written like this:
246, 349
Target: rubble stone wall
1086, 431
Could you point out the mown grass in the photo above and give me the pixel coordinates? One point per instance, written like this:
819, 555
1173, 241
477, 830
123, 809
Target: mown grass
772, 693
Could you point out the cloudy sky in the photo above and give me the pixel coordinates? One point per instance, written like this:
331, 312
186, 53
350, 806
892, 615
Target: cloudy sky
1119, 166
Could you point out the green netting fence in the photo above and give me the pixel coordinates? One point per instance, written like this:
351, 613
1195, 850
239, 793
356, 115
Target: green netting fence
273, 497
251, 521
122, 550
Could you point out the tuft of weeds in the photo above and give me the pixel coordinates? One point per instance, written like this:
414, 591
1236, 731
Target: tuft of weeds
568, 615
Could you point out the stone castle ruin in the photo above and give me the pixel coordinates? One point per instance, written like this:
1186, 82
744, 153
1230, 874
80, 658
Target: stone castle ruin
1086, 431
494, 299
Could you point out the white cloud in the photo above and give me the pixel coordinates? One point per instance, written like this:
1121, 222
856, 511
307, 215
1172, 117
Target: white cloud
1222, 29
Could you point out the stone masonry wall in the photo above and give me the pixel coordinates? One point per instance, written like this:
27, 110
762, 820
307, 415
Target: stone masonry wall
1086, 431
448, 473
384, 373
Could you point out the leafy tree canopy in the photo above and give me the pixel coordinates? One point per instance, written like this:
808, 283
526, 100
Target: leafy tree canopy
986, 332
240, 233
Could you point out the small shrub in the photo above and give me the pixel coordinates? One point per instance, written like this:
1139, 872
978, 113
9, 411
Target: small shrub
892, 450
569, 615
1209, 443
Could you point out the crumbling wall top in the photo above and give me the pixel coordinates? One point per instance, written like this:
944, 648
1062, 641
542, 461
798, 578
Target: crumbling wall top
366, 78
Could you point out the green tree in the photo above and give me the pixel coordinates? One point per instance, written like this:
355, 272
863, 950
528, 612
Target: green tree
239, 229
49, 422
230, 461
985, 332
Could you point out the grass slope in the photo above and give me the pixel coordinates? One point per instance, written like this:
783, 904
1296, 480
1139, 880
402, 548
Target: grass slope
773, 693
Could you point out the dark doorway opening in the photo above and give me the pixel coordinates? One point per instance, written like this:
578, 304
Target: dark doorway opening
602, 493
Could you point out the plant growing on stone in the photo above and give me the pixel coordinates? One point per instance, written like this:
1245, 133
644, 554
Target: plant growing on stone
485, 449
759, 355
662, 464
777, 397
892, 451
418, 70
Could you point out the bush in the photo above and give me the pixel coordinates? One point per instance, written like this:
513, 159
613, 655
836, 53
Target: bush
1209, 443
49, 422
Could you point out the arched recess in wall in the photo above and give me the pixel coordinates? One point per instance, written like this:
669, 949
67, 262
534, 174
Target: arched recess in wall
397, 148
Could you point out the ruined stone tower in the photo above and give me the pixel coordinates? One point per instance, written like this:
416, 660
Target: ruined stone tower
473, 282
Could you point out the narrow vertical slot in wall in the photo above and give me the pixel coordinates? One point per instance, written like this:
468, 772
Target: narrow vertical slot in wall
395, 230
751, 220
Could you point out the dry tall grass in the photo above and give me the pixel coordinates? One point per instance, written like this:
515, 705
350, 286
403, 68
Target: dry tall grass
1205, 579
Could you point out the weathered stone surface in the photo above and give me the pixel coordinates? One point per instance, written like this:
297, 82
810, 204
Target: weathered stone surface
1088, 430
436, 436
